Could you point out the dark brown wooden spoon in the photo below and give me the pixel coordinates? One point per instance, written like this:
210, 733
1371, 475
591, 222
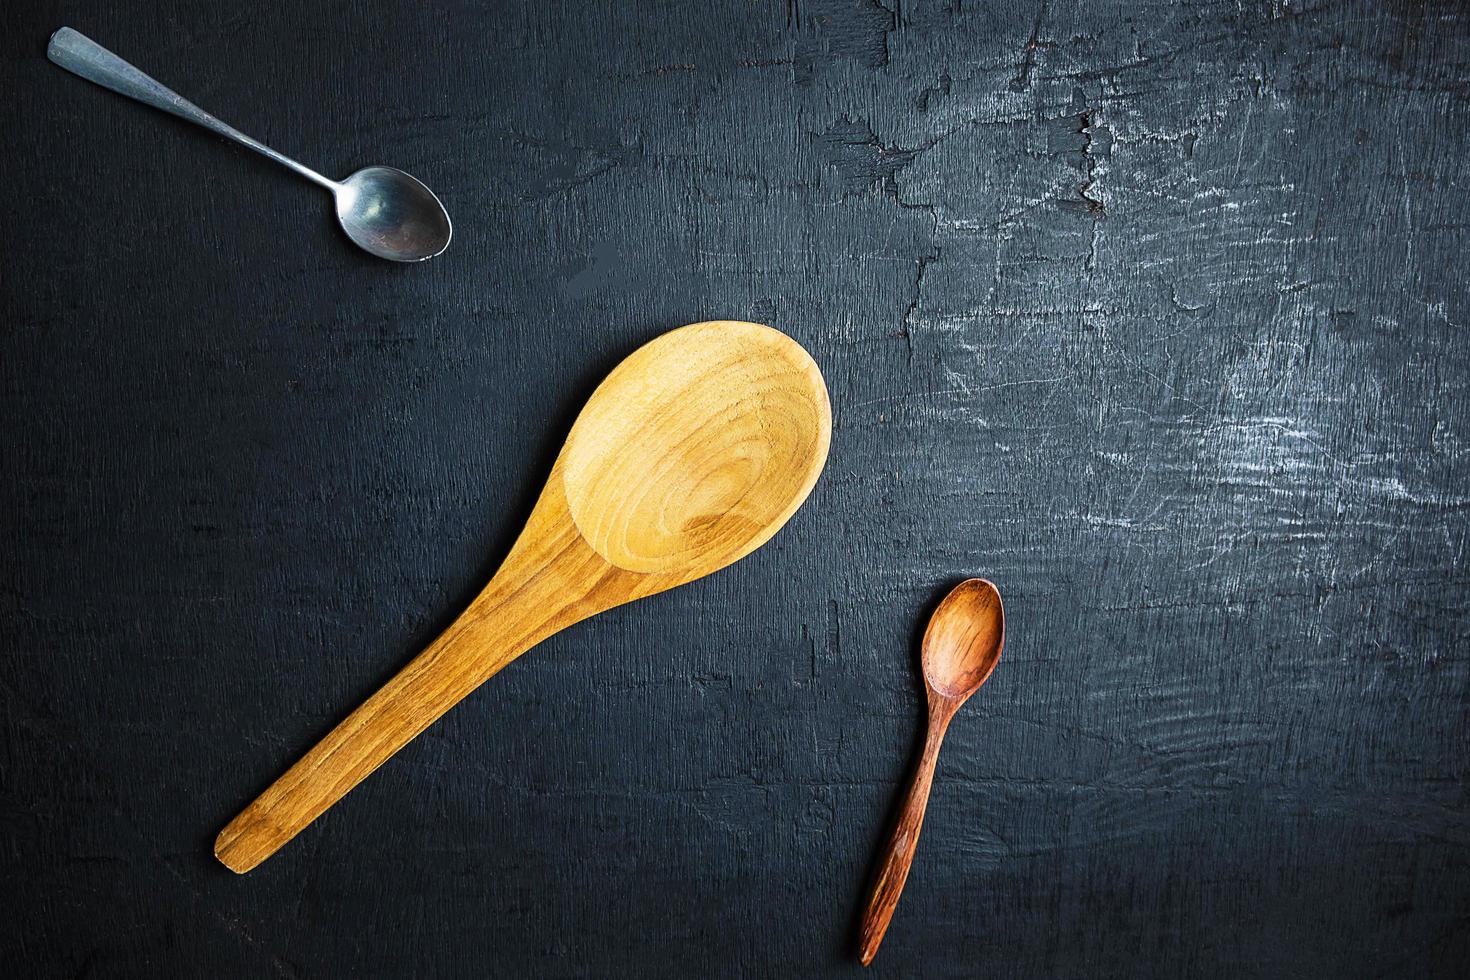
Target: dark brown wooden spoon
961, 647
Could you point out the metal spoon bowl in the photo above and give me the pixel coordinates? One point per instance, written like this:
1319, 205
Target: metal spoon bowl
392, 215
383, 210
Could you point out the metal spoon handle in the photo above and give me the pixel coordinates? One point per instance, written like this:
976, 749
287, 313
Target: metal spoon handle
83, 56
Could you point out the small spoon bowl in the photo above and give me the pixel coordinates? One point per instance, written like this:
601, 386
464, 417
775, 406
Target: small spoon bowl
963, 641
392, 215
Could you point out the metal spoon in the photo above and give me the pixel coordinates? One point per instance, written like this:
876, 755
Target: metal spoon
961, 647
383, 210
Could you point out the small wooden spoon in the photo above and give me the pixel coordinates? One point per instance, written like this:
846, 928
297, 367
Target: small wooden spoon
692, 454
961, 647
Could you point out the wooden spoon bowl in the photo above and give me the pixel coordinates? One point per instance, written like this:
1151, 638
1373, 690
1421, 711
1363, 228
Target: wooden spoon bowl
685, 475
689, 456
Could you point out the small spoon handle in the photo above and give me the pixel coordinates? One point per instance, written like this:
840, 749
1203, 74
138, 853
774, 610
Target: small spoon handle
83, 56
894, 870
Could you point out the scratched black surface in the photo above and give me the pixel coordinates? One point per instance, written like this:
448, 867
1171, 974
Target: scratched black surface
1154, 313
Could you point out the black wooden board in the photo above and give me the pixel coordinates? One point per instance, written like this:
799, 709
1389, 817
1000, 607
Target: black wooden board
1155, 313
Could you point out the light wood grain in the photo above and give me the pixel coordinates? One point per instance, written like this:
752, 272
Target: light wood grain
689, 456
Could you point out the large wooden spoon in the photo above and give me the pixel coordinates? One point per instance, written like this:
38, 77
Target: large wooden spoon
692, 454
961, 647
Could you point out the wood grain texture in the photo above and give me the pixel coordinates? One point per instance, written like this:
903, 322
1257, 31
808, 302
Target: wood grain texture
961, 648
692, 454
1153, 312
898, 855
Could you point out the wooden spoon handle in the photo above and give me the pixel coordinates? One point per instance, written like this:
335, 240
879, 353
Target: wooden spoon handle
460, 660
550, 580
894, 870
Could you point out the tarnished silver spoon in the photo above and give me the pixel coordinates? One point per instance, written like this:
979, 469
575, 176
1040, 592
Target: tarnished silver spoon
383, 210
